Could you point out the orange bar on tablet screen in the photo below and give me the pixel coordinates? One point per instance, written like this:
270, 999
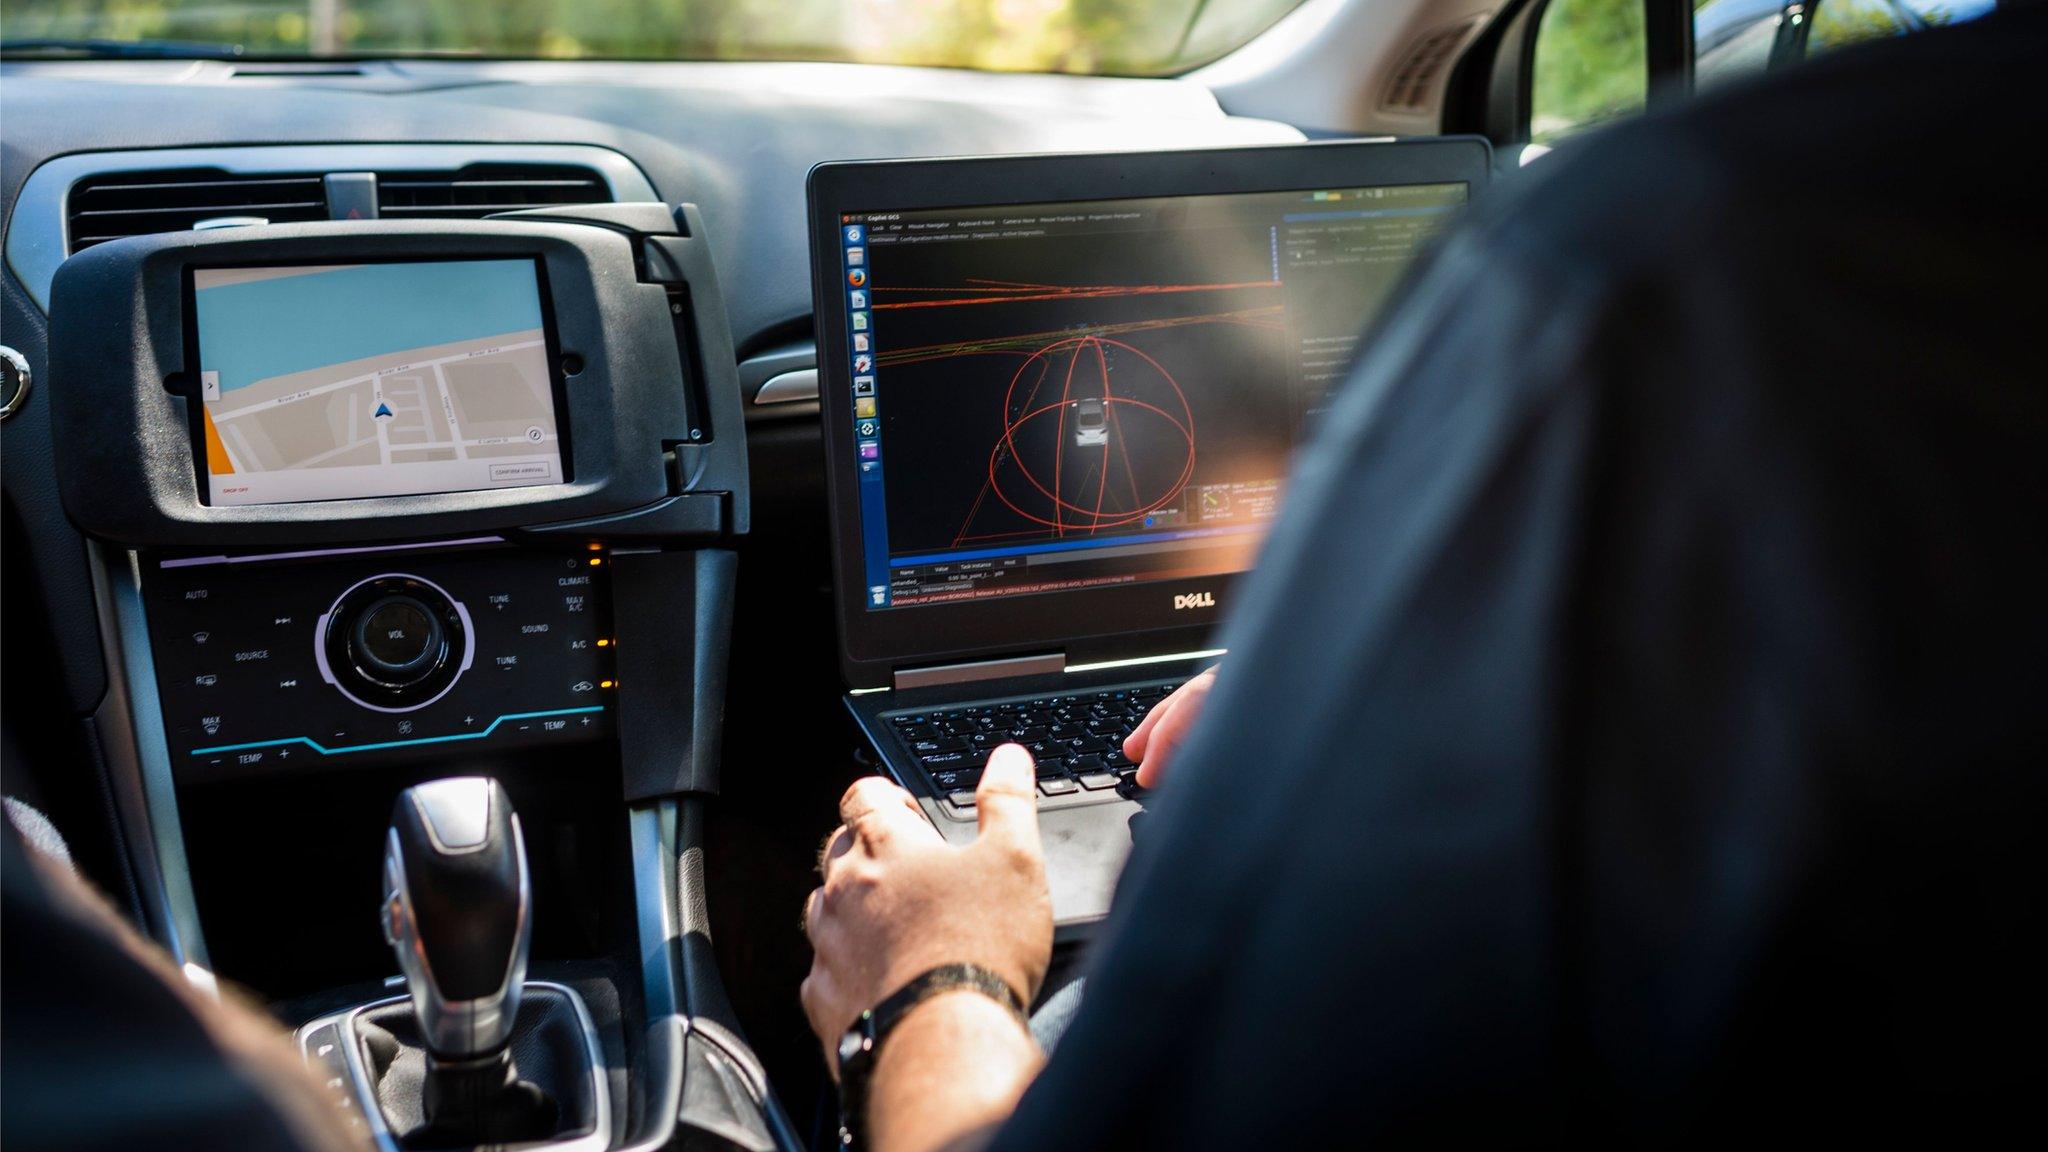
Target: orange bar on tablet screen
217, 461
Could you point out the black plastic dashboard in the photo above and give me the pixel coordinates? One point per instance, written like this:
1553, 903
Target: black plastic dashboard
129, 473
231, 392
735, 139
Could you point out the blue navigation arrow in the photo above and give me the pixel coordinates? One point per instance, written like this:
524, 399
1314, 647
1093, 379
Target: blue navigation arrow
382, 411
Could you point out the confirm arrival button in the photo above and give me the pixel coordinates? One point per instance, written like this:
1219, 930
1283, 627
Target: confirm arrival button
530, 470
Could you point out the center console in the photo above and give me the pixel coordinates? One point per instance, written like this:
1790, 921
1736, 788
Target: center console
348, 657
412, 548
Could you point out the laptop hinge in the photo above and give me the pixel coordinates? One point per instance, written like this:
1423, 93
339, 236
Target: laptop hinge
1040, 665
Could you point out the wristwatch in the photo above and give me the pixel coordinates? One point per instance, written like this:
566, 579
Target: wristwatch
858, 1045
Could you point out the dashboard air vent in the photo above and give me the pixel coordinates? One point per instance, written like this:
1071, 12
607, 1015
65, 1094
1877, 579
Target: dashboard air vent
103, 208
481, 189
1415, 81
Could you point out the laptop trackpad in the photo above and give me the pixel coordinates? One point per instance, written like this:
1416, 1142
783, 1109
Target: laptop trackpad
1085, 849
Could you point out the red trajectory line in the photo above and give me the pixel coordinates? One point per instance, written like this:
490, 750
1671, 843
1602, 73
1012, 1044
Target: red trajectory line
1006, 450
1008, 439
996, 458
1118, 424
1108, 406
1004, 292
1021, 343
974, 285
983, 284
1059, 441
1007, 445
1091, 293
1178, 484
1044, 368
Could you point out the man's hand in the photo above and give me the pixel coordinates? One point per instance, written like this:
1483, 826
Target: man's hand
897, 900
1164, 728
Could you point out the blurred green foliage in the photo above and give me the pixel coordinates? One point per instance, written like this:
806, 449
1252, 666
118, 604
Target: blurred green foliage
1592, 62
1135, 37
1592, 65
1840, 23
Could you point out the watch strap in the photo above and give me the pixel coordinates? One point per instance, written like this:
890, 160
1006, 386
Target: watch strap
857, 1048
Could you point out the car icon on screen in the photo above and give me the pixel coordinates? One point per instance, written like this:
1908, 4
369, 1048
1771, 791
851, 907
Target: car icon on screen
1091, 428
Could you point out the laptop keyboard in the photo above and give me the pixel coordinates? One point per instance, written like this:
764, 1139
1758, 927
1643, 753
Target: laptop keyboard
1077, 739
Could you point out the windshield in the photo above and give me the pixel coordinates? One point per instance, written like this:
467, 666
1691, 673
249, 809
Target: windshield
1125, 37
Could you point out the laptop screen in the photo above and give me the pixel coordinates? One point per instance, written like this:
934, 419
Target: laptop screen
1054, 397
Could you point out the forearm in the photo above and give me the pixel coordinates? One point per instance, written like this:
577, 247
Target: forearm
950, 1073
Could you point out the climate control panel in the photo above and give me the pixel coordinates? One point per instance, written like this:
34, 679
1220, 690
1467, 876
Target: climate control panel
266, 663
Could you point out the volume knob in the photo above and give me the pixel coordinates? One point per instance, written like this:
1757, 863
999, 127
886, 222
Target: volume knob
394, 643
397, 641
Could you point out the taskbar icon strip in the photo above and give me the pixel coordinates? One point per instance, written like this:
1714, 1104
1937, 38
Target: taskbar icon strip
867, 419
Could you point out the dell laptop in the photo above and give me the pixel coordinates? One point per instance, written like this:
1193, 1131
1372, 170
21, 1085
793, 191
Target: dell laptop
1060, 398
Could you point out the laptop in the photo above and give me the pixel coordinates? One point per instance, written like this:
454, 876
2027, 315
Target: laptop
1060, 398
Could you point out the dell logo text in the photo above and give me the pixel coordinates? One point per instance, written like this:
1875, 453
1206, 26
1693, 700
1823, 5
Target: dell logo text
1195, 600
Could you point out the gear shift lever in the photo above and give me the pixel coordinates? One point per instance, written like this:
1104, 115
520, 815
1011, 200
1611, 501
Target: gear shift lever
456, 912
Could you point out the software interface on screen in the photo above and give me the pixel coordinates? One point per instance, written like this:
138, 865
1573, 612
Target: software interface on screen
325, 382
1057, 396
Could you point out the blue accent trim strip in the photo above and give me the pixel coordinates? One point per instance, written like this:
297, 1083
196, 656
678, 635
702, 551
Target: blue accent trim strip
1067, 546
395, 743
